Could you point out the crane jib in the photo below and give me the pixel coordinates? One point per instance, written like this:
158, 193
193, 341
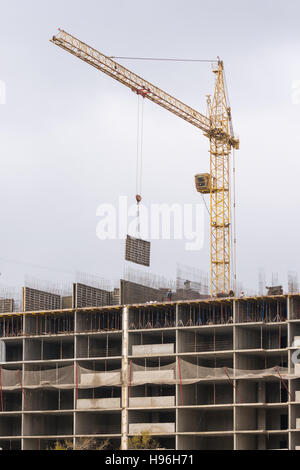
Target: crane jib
130, 79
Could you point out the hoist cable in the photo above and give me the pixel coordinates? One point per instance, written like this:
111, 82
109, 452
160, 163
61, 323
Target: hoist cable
139, 159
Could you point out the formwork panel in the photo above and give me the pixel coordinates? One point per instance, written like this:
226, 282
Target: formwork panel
34, 300
137, 251
88, 296
6, 305
134, 293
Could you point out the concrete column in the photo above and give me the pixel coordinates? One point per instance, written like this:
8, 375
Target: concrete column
261, 442
289, 419
22, 375
261, 419
261, 392
176, 386
75, 370
261, 416
124, 397
234, 313
289, 301
234, 332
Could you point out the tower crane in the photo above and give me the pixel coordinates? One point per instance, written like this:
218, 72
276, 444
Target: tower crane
216, 126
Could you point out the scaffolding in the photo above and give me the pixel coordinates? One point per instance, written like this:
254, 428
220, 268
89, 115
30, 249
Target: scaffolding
11, 325
97, 321
263, 309
197, 314
152, 317
50, 323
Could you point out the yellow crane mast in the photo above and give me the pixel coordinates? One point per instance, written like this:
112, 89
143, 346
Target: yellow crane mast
217, 126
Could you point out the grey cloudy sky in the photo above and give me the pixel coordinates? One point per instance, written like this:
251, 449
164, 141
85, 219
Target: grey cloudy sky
68, 132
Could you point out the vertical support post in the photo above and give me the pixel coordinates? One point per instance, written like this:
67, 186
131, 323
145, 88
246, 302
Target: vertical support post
76, 323
124, 404
176, 386
1, 388
76, 381
181, 394
130, 379
22, 389
24, 343
288, 310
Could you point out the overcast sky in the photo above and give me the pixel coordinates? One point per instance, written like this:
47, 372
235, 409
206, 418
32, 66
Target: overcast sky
68, 132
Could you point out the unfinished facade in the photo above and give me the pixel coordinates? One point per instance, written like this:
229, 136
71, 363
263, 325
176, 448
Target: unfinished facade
203, 374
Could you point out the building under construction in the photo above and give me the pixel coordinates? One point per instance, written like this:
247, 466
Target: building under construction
197, 374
